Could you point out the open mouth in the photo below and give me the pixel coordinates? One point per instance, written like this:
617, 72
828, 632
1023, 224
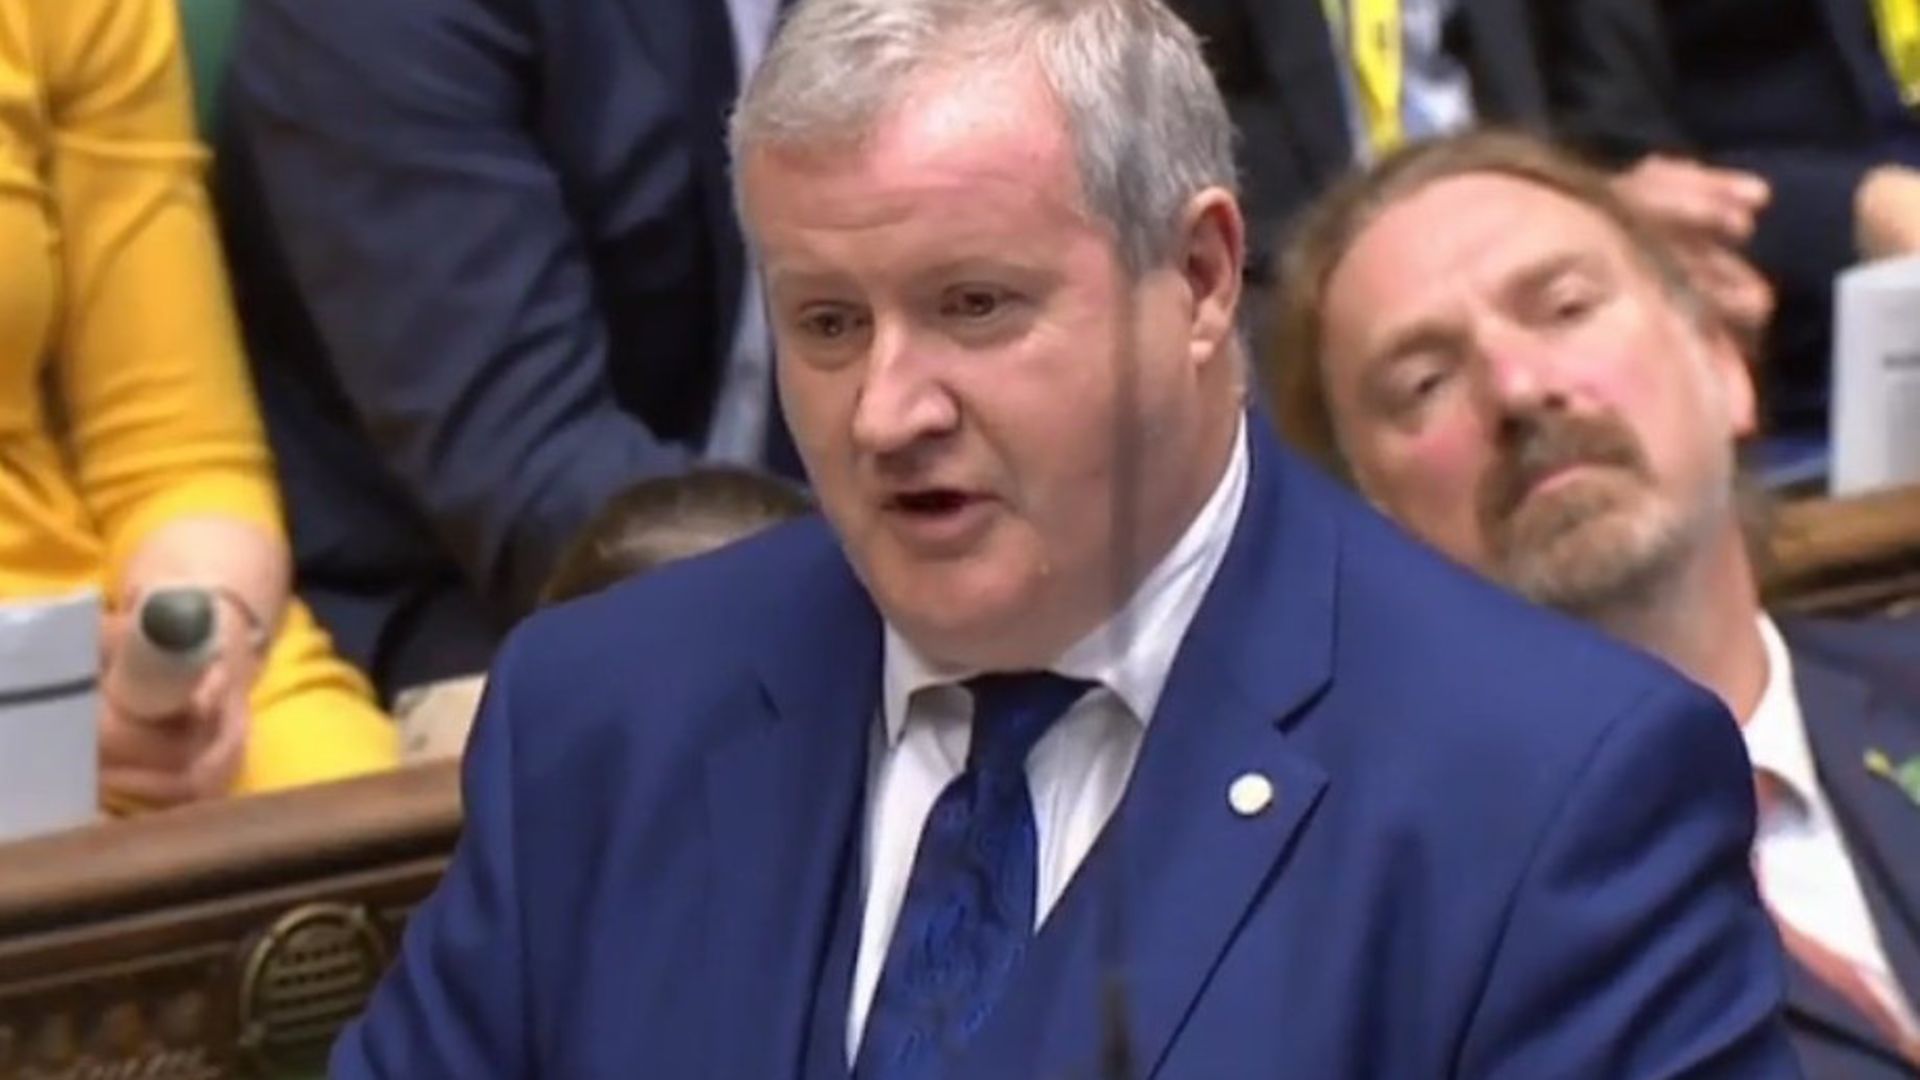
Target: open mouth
931, 502
939, 521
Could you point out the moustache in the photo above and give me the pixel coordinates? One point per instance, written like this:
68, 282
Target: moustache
1540, 444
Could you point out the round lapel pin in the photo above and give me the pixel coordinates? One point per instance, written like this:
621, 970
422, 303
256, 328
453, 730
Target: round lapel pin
1249, 794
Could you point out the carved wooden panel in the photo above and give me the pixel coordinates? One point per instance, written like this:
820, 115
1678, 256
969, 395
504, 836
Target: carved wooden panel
236, 946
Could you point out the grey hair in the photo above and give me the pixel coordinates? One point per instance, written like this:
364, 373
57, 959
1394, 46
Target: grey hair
1146, 120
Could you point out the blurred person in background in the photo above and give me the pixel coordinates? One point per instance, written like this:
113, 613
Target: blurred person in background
667, 519
490, 275
131, 455
656, 521
1319, 88
1489, 346
1821, 100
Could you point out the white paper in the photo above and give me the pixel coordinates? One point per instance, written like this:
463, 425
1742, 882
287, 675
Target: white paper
1876, 377
49, 705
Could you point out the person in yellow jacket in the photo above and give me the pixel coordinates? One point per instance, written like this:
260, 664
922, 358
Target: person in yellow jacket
131, 451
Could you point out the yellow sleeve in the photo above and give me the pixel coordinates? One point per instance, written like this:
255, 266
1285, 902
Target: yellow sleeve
158, 406
314, 718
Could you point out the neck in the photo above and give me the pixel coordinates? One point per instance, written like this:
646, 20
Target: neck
1156, 530
1705, 621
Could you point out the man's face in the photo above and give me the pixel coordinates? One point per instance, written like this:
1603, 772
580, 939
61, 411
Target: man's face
1512, 384
998, 418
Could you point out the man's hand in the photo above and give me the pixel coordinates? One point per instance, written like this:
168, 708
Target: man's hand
1735, 290
1707, 214
1693, 200
1886, 213
153, 762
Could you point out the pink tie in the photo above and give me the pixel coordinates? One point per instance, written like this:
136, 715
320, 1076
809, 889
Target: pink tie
1840, 975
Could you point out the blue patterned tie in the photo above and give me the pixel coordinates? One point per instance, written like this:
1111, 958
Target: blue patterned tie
969, 908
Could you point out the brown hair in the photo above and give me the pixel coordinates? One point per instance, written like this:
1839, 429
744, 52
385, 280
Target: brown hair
1330, 226
657, 521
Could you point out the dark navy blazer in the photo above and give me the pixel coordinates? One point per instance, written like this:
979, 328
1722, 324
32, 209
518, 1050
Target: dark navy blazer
485, 254
1859, 689
1799, 93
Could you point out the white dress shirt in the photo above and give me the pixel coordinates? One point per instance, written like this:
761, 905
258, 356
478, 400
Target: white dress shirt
752, 22
738, 433
1079, 768
1800, 857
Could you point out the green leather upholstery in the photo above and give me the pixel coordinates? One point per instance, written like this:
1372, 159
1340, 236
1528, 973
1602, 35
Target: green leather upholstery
207, 27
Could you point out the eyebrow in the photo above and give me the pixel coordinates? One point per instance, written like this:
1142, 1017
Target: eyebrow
1441, 331
971, 266
807, 280
1537, 275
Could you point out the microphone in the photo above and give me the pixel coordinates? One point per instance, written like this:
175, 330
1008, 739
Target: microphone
174, 637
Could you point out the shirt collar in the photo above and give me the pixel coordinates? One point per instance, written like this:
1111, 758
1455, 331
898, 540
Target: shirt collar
1132, 652
1776, 733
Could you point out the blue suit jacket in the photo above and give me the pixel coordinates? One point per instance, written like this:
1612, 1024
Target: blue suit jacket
1859, 689
1500, 847
485, 255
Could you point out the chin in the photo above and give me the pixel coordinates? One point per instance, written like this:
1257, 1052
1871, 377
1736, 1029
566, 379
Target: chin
971, 613
1586, 514
1606, 562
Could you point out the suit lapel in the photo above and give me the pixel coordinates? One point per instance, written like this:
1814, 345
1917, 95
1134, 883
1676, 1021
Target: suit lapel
1811, 1003
784, 801
691, 43
1501, 55
716, 86
1157, 903
1856, 41
1306, 78
1845, 718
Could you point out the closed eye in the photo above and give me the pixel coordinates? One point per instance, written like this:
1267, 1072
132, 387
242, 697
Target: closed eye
1415, 382
1572, 308
1561, 293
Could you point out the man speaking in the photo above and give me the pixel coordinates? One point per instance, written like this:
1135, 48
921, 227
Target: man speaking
1090, 734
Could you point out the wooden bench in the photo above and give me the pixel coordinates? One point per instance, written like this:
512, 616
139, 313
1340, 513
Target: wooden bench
225, 940
1851, 556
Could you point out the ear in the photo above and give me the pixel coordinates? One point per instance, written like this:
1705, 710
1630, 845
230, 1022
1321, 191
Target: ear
1211, 256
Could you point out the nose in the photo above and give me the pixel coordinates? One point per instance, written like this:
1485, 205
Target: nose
1520, 375
902, 401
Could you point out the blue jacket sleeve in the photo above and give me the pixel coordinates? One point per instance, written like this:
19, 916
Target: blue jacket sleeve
453, 1005
431, 239
1635, 944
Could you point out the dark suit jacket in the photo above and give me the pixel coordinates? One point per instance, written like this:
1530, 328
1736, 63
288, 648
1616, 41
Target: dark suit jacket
1502, 847
1859, 688
1800, 95
485, 254
1528, 60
